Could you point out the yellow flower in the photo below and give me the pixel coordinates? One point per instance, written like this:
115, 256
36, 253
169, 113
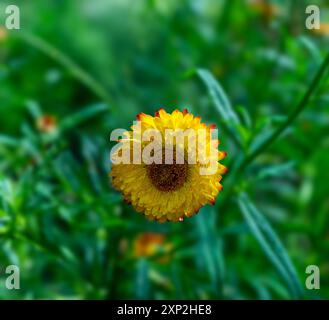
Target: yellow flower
47, 123
170, 192
149, 244
324, 29
264, 8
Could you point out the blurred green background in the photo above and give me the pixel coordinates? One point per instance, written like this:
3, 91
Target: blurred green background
79, 69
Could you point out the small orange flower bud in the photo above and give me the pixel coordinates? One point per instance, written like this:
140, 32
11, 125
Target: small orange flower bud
47, 124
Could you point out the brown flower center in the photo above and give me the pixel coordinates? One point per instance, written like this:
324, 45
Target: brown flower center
168, 177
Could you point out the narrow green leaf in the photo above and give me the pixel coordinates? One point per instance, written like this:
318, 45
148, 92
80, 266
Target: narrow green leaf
89, 150
276, 170
142, 279
222, 104
260, 137
270, 243
9, 141
80, 74
311, 47
83, 115
303, 103
277, 245
34, 109
211, 247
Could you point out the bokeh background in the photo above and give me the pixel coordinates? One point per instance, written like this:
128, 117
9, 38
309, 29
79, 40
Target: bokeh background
79, 69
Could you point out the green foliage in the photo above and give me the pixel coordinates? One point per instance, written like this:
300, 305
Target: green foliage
92, 66
270, 243
223, 105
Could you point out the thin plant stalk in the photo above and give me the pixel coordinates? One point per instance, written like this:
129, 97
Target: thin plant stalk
293, 115
81, 75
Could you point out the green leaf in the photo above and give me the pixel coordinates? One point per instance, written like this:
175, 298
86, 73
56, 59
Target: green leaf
276, 170
222, 104
7, 194
89, 150
83, 115
142, 279
80, 74
271, 244
210, 244
303, 103
9, 141
34, 109
311, 47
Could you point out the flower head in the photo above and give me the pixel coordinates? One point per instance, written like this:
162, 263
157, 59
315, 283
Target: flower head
172, 173
149, 244
264, 8
47, 123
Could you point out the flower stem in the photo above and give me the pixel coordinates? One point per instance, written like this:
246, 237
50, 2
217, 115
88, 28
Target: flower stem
235, 175
293, 115
84, 77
